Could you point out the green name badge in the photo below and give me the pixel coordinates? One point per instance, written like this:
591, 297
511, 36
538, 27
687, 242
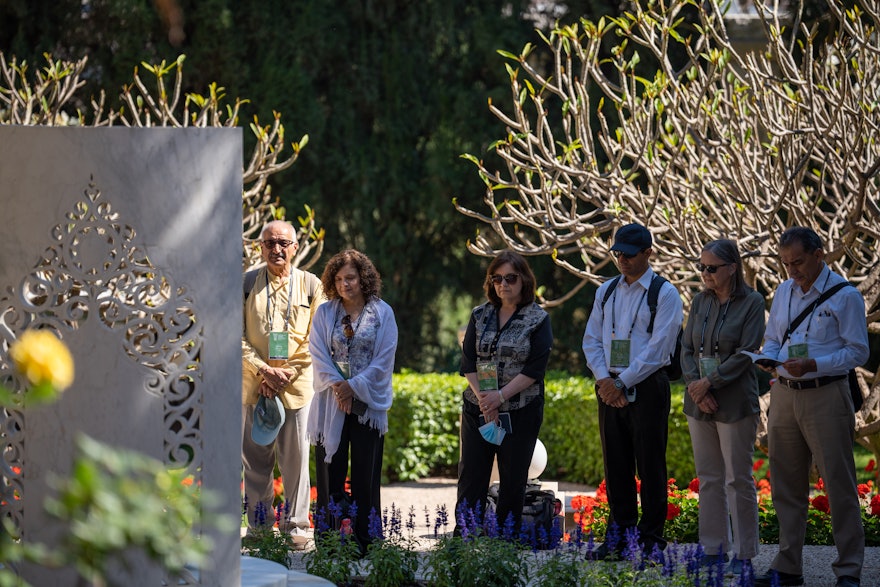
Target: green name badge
708, 365
278, 346
798, 351
487, 375
620, 354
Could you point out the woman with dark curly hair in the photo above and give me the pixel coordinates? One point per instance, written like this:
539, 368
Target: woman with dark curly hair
504, 356
353, 341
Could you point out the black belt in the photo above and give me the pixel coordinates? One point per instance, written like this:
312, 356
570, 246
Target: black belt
810, 383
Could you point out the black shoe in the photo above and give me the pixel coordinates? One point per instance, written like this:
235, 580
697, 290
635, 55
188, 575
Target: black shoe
784, 579
847, 581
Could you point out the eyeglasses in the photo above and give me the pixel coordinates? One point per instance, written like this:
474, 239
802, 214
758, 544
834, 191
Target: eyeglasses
347, 330
710, 268
620, 254
510, 278
272, 243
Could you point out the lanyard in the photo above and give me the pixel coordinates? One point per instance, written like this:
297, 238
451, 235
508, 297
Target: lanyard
812, 307
635, 314
269, 312
716, 330
354, 327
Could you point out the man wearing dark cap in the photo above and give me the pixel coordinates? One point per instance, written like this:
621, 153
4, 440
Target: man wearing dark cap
627, 348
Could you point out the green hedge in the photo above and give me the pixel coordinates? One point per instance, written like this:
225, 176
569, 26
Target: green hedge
422, 437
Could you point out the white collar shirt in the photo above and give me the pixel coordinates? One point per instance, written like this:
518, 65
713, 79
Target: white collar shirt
836, 334
627, 309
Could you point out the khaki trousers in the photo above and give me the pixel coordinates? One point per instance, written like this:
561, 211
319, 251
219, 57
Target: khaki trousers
291, 450
805, 425
728, 500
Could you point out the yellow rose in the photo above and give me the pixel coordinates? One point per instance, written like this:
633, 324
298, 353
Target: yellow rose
43, 359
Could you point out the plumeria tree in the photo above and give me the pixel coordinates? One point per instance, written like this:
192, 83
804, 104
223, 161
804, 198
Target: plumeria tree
659, 117
155, 98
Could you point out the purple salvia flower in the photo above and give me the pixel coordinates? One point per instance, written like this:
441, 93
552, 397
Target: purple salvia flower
508, 527
334, 510
555, 532
490, 524
612, 536
396, 522
527, 534
591, 545
632, 551
461, 518
411, 521
443, 513
353, 511
321, 524
260, 514
374, 526
577, 537
669, 561
428, 520
543, 540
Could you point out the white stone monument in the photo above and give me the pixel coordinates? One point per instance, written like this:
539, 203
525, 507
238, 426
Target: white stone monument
127, 243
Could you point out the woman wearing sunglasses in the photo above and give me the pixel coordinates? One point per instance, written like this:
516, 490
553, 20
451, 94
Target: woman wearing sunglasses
504, 356
353, 341
721, 403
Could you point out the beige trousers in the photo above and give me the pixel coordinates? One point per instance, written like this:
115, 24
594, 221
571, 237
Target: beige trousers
728, 500
805, 425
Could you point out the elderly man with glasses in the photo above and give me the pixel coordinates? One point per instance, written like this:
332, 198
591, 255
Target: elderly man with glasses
279, 304
627, 346
817, 331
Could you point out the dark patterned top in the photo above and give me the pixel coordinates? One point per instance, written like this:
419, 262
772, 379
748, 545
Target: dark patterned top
521, 346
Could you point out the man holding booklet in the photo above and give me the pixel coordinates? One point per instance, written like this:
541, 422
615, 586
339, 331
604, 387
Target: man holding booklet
816, 333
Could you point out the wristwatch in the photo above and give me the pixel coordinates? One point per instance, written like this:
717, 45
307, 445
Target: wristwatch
619, 385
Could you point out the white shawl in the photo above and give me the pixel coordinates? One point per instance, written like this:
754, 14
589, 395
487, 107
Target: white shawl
371, 385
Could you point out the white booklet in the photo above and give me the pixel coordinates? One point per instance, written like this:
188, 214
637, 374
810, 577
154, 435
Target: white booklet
762, 360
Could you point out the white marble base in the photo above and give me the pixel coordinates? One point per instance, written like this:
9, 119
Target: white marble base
257, 572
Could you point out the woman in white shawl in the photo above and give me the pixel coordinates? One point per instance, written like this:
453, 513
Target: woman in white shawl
353, 341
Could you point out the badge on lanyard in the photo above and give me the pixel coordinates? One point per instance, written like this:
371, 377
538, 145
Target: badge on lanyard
344, 368
620, 353
278, 346
798, 351
487, 375
708, 365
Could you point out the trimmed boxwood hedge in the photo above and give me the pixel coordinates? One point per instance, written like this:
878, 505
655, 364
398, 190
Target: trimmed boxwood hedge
422, 437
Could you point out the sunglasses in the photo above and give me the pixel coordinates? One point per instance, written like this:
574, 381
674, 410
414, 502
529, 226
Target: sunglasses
510, 278
272, 243
710, 268
347, 330
620, 254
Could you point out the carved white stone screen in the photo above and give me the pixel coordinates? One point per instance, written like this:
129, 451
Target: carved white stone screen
127, 244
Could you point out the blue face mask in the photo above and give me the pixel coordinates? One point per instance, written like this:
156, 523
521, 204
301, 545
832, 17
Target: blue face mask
492, 432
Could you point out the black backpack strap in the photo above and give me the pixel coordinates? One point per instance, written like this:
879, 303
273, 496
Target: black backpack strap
250, 278
314, 282
610, 290
653, 295
812, 307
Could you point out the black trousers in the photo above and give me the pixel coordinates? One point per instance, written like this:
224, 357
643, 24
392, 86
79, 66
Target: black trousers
365, 445
634, 441
514, 457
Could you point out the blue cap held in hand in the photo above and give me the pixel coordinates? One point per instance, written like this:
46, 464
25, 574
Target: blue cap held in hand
268, 419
